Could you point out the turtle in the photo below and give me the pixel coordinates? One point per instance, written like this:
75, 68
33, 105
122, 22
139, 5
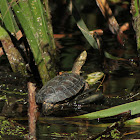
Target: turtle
62, 87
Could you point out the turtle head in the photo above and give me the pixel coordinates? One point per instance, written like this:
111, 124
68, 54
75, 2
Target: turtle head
93, 78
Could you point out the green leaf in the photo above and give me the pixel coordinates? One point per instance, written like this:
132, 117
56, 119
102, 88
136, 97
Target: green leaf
82, 26
8, 18
132, 106
39, 21
25, 20
3, 33
137, 5
110, 56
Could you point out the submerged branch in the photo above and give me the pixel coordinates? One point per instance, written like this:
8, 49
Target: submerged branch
32, 111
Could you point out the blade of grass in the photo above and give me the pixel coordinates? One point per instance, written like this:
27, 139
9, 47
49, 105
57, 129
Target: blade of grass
49, 26
82, 26
39, 21
135, 8
42, 30
8, 18
30, 32
132, 106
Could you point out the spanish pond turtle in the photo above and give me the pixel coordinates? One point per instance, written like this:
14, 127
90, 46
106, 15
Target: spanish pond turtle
63, 86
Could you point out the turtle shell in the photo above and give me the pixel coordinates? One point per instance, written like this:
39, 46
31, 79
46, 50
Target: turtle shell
60, 88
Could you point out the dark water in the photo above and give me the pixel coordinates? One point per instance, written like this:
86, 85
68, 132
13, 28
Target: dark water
121, 85
14, 105
58, 128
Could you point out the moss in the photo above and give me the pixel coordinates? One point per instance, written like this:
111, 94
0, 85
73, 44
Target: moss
10, 127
